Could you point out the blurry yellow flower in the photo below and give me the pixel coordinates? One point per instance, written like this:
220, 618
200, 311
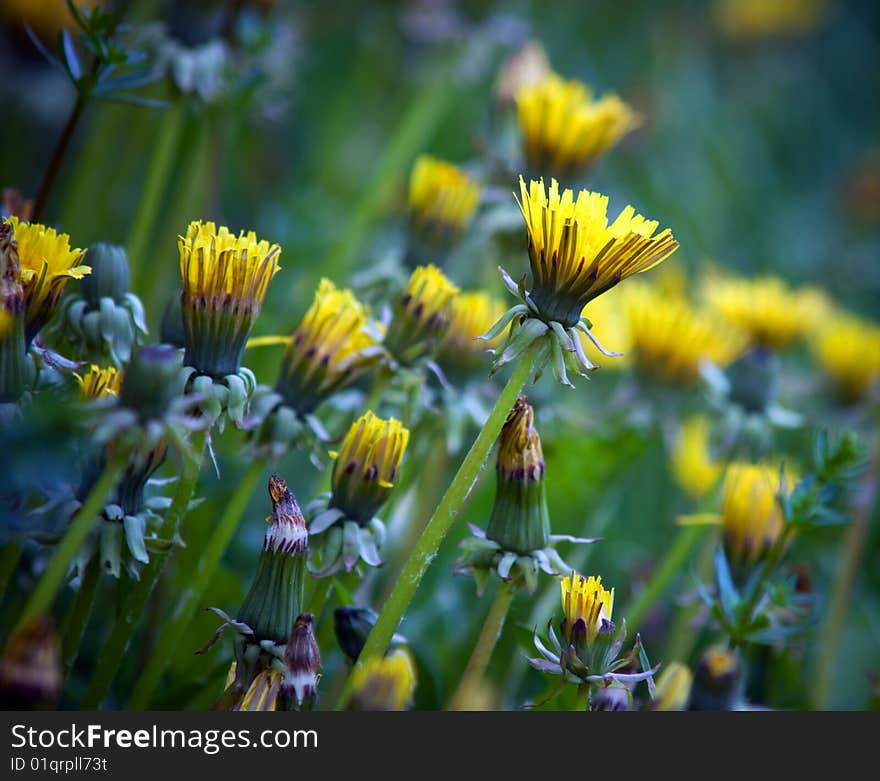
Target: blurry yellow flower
848, 349
695, 469
333, 345
442, 197
98, 382
575, 254
225, 278
766, 309
564, 128
610, 328
669, 337
47, 16
745, 19
471, 314
384, 683
525, 67
673, 688
585, 601
47, 265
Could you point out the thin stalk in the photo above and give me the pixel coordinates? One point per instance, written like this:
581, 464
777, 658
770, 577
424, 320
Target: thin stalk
669, 568
158, 173
9, 556
482, 653
54, 164
841, 592
443, 518
77, 616
206, 567
134, 605
42, 597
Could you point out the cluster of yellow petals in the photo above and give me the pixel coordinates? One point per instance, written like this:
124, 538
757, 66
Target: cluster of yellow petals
442, 194
471, 314
98, 382
427, 295
584, 598
696, 471
374, 447
564, 127
848, 349
519, 445
385, 682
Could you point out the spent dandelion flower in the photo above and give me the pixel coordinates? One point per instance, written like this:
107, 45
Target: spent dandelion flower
575, 255
695, 467
847, 348
442, 202
302, 662
564, 128
421, 315
364, 474
47, 264
384, 683
17, 369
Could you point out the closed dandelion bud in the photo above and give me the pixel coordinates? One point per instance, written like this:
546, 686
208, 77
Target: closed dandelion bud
384, 683
331, 348
225, 279
47, 265
520, 521
17, 370
751, 515
442, 202
367, 466
276, 593
673, 688
564, 129
352, 626
110, 276
302, 657
421, 315
151, 381
30, 669
718, 681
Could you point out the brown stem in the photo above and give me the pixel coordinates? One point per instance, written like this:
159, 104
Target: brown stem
57, 157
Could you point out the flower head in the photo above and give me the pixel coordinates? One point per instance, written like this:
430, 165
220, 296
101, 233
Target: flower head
471, 314
302, 658
564, 128
673, 688
848, 350
47, 265
384, 683
695, 468
332, 346
98, 382
421, 315
587, 606
225, 278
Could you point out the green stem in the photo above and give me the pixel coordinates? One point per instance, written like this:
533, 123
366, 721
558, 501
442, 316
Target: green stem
841, 592
443, 518
132, 609
482, 653
666, 571
9, 556
157, 175
83, 522
206, 567
77, 616
54, 165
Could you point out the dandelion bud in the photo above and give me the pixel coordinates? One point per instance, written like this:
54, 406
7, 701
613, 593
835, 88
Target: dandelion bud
302, 658
718, 681
332, 346
384, 683
151, 381
352, 626
47, 265
751, 515
673, 688
519, 521
16, 368
564, 129
276, 593
30, 670
421, 315
367, 466
442, 202
225, 279
110, 276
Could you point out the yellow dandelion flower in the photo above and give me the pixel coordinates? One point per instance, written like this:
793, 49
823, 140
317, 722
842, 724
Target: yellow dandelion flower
384, 683
333, 345
576, 255
748, 19
586, 602
367, 465
848, 350
610, 327
471, 314
766, 309
47, 265
696, 471
262, 694
673, 688
442, 198
564, 129
669, 337
421, 315
97, 382
225, 278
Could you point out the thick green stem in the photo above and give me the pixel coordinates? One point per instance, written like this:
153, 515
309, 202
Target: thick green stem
157, 175
132, 609
669, 568
482, 653
77, 616
444, 516
206, 567
83, 522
